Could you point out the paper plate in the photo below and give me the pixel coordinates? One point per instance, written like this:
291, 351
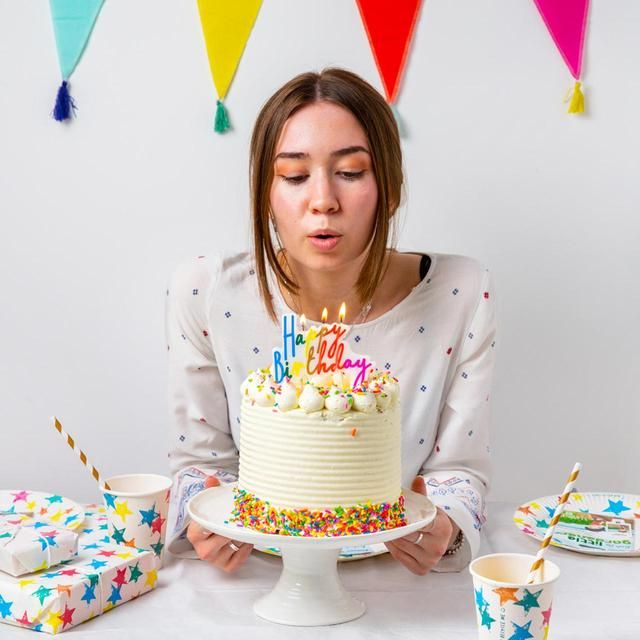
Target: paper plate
347, 553
602, 523
21, 506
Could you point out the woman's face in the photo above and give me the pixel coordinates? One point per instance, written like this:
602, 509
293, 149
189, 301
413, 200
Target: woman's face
324, 194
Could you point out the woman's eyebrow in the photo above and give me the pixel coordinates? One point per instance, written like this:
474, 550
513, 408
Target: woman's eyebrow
300, 155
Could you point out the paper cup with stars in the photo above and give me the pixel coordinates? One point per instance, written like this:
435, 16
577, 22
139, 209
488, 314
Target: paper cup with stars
507, 608
137, 506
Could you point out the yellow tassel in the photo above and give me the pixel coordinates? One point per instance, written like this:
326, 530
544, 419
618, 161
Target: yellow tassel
576, 102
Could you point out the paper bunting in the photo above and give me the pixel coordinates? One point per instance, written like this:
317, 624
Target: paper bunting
73, 22
226, 26
389, 27
566, 21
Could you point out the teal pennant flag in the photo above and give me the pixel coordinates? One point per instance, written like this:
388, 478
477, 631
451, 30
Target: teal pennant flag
73, 21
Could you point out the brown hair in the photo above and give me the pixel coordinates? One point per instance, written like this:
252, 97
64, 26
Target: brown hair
350, 91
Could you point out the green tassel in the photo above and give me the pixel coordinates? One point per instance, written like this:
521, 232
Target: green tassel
401, 128
221, 123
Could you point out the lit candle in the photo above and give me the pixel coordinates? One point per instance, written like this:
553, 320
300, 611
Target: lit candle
303, 321
342, 313
324, 315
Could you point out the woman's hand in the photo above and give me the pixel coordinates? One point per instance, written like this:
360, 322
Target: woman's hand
422, 551
221, 552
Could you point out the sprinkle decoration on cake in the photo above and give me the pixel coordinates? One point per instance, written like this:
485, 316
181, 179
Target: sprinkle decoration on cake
319, 440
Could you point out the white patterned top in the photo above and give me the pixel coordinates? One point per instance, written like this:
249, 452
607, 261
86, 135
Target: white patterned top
438, 341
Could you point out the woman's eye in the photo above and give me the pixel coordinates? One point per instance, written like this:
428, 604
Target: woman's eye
351, 175
347, 175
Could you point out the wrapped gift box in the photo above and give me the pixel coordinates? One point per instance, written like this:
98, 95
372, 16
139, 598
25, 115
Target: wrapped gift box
102, 576
33, 546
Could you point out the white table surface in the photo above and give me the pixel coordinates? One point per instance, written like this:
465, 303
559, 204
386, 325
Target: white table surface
596, 597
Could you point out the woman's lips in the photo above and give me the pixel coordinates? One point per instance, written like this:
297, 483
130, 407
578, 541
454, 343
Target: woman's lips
324, 243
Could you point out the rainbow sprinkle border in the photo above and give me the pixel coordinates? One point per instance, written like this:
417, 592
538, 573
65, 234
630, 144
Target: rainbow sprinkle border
253, 513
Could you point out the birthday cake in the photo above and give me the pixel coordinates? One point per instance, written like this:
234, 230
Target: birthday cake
319, 442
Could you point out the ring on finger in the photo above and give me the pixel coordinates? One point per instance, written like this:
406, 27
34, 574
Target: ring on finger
418, 540
233, 546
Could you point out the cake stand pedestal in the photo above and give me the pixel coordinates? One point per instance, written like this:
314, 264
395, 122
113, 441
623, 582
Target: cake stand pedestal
309, 591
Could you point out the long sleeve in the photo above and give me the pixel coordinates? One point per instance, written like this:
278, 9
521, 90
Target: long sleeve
200, 438
457, 471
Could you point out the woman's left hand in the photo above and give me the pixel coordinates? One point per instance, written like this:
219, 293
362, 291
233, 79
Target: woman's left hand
420, 553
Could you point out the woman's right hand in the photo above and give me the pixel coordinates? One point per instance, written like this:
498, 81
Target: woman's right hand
221, 552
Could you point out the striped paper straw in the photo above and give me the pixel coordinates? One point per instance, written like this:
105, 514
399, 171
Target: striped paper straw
537, 563
81, 454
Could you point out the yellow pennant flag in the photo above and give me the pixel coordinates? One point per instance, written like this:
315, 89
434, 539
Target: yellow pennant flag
226, 26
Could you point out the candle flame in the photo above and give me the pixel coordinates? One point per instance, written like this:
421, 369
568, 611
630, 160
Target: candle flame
303, 321
325, 313
342, 313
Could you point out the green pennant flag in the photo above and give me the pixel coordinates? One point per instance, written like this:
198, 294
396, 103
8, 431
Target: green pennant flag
73, 21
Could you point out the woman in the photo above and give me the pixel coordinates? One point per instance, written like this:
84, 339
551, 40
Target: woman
326, 180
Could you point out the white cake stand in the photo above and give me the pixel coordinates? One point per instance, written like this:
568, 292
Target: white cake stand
309, 591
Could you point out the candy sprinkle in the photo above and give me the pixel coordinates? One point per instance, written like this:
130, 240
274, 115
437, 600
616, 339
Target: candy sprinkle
353, 432
253, 513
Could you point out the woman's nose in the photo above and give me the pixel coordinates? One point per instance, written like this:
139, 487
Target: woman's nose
323, 198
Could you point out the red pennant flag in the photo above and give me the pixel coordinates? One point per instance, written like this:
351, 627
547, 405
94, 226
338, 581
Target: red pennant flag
389, 27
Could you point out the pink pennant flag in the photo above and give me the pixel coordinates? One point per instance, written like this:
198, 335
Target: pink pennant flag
566, 21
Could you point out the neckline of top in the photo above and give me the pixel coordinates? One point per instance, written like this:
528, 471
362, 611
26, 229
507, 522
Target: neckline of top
281, 306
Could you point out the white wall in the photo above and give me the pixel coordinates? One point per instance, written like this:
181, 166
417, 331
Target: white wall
95, 216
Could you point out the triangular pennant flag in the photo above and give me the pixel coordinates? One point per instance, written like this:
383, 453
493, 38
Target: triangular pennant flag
73, 22
389, 27
566, 21
226, 26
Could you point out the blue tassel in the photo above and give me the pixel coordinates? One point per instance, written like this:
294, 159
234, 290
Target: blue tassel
402, 130
65, 106
221, 123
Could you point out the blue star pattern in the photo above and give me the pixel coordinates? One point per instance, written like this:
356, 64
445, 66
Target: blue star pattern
89, 593
529, 600
521, 632
110, 500
481, 602
616, 506
96, 564
148, 515
115, 595
486, 620
5, 607
53, 574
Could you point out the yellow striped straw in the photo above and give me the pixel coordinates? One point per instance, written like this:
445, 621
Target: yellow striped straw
81, 454
537, 563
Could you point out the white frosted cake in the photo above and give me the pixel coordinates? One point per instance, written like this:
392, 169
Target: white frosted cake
319, 457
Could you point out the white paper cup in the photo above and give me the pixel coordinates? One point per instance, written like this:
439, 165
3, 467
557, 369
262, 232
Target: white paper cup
137, 506
507, 607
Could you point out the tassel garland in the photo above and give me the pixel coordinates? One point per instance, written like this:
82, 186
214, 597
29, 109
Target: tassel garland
65, 107
576, 100
222, 118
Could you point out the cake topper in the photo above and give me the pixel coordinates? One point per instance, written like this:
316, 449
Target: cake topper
318, 350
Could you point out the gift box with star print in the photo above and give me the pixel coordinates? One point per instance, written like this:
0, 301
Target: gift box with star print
102, 576
33, 545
